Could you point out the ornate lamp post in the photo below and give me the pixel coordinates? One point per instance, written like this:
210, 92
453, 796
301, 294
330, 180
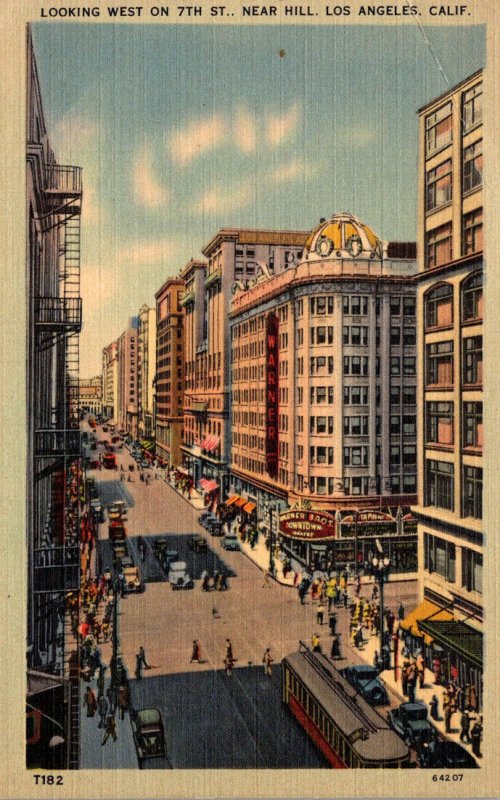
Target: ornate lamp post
268, 506
381, 565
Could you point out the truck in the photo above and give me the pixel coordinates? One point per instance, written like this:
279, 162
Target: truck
132, 578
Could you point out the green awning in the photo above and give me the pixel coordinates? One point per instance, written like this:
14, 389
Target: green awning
457, 636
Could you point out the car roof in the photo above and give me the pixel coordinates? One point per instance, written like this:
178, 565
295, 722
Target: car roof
417, 706
177, 565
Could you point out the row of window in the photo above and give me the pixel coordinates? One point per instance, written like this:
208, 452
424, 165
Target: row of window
439, 124
440, 488
440, 556
439, 424
439, 241
439, 180
438, 303
439, 363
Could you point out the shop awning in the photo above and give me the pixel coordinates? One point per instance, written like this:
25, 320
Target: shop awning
210, 443
147, 445
422, 612
182, 471
249, 507
458, 637
203, 482
208, 485
241, 501
232, 499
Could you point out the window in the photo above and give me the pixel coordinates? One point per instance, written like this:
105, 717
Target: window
356, 395
439, 307
395, 335
409, 455
472, 107
473, 166
438, 186
409, 365
473, 425
439, 484
409, 306
394, 425
473, 360
355, 456
395, 365
355, 335
321, 305
472, 232
440, 557
355, 365
439, 423
355, 426
438, 129
472, 570
356, 305
472, 492
438, 246
409, 425
409, 336
472, 298
395, 456
395, 395
439, 370
395, 305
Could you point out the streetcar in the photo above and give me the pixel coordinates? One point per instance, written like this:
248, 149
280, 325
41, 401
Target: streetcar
345, 728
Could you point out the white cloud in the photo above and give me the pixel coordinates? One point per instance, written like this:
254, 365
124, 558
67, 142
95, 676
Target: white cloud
148, 191
220, 201
147, 252
292, 170
198, 137
245, 132
280, 127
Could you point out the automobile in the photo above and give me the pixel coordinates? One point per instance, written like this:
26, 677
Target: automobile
132, 578
121, 506
97, 508
215, 527
230, 542
109, 461
205, 517
366, 680
197, 544
410, 721
148, 734
116, 531
443, 754
120, 551
179, 577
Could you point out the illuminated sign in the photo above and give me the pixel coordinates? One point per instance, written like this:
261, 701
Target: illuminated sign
307, 525
272, 356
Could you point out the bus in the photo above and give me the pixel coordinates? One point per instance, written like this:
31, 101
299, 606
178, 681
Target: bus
344, 727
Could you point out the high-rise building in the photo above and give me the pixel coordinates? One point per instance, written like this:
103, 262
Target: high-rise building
126, 353
146, 368
323, 359
110, 381
450, 380
169, 371
91, 395
54, 457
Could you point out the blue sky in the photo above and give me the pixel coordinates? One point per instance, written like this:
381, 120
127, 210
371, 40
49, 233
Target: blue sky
183, 129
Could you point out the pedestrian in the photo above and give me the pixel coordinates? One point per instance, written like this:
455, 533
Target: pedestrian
436, 668
267, 660
412, 681
358, 586
465, 727
228, 664
332, 621
315, 643
122, 700
142, 656
302, 594
421, 669
345, 598
223, 582
112, 696
470, 697
110, 729
205, 584
102, 710
90, 701
138, 667
335, 651
320, 612
448, 713
404, 677
401, 612
195, 655
376, 661
434, 709
100, 680
475, 737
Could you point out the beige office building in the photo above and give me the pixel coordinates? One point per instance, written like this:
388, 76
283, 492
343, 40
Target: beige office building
169, 372
91, 395
146, 369
110, 381
126, 407
450, 402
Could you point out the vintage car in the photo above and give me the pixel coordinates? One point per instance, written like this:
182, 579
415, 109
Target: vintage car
179, 577
197, 544
132, 578
230, 542
117, 531
97, 508
443, 754
410, 721
148, 733
365, 679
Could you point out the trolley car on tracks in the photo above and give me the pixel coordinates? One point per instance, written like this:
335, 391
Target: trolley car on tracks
347, 730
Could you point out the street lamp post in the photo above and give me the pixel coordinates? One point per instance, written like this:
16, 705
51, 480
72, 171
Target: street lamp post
271, 543
381, 566
115, 642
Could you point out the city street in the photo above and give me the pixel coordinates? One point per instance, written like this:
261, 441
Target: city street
211, 719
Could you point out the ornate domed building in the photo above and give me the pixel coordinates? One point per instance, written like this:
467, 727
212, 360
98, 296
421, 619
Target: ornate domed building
324, 393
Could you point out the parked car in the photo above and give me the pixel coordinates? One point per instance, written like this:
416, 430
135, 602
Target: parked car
148, 734
132, 578
230, 542
215, 527
116, 530
366, 680
197, 544
109, 461
97, 508
443, 754
179, 577
410, 721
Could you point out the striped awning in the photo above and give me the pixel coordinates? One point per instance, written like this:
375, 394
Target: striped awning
208, 485
210, 443
249, 507
232, 499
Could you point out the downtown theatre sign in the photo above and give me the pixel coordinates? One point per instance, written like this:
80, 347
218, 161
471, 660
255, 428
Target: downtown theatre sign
307, 525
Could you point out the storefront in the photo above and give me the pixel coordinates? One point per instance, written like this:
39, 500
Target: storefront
308, 536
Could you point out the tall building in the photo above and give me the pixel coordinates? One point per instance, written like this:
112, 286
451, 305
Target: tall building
450, 380
126, 353
323, 358
91, 395
146, 369
110, 381
54, 457
232, 255
169, 371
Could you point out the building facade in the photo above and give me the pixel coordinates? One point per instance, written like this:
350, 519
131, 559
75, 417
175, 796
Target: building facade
234, 256
91, 395
54, 458
169, 372
323, 358
450, 312
126, 352
146, 369
110, 381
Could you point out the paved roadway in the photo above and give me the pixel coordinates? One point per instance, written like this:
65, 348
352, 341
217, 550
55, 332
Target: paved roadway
214, 720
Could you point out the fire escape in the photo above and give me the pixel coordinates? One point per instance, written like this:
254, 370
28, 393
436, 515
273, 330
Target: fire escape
57, 445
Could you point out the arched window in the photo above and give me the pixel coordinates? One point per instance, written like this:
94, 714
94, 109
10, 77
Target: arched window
472, 298
439, 306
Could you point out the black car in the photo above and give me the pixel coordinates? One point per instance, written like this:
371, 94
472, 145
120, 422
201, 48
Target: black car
365, 679
443, 754
197, 544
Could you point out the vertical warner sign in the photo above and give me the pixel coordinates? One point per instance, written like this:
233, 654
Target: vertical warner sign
272, 354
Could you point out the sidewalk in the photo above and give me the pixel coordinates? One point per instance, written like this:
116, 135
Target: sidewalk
194, 498
113, 755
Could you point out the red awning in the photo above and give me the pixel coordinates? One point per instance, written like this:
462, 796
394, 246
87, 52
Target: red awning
211, 486
203, 482
232, 499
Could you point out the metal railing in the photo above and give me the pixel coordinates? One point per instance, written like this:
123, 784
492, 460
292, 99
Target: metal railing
63, 179
58, 443
64, 311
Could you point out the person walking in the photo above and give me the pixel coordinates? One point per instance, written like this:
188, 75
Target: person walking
102, 710
404, 677
267, 661
421, 669
412, 681
315, 643
434, 709
332, 621
142, 656
401, 612
229, 650
335, 651
100, 680
122, 700
110, 729
228, 664
90, 701
138, 667
465, 727
448, 713
320, 613
195, 655
112, 696
475, 737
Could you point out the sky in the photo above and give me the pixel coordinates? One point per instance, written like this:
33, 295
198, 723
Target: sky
184, 129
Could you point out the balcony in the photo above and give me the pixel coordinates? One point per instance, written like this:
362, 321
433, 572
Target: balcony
186, 298
57, 569
58, 443
63, 180
59, 312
